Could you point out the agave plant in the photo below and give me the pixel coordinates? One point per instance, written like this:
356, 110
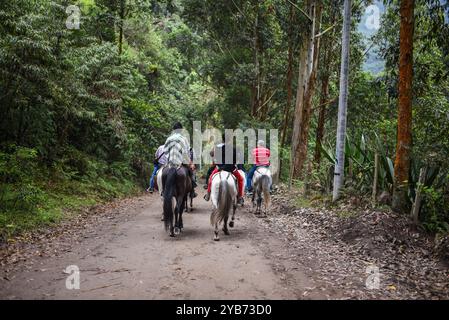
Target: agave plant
360, 159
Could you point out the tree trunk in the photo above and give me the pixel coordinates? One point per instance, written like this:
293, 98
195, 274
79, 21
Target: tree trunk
122, 18
298, 107
321, 118
256, 87
289, 79
343, 102
400, 201
300, 154
324, 100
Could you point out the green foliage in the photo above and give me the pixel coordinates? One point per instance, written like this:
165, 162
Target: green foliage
80, 121
32, 194
434, 210
359, 163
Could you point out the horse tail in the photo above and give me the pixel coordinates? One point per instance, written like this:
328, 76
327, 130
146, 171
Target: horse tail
169, 190
265, 182
224, 203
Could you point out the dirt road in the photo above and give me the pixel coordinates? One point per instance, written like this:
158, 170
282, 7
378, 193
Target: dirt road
125, 253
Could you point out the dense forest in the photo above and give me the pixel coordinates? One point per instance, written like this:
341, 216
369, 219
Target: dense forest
84, 106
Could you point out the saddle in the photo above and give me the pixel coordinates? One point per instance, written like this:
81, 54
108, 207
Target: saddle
258, 167
229, 173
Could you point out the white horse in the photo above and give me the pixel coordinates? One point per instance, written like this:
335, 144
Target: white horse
223, 197
261, 184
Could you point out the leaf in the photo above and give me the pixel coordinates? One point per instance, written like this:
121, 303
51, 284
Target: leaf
391, 287
328, 154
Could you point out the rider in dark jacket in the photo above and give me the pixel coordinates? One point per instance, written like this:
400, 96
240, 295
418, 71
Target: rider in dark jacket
229, 165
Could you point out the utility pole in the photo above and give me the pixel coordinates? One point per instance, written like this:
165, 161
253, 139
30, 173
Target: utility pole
342, 102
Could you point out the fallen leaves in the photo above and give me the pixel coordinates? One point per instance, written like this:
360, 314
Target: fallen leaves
337, 248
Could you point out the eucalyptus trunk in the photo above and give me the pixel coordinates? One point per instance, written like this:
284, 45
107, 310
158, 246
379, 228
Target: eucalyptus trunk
303, 112
122, 19
289, 78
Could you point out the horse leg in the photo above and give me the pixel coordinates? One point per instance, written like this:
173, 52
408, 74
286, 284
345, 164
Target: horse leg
176, 229
265, 211
253, 199
181, 211
225, 226
191, 203
259, 201
180, 223
259, 204
189, 197
231, 224
216, 237
172, 229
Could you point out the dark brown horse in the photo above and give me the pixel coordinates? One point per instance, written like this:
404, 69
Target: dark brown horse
176, 185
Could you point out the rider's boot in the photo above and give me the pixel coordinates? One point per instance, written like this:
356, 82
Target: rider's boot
240, 200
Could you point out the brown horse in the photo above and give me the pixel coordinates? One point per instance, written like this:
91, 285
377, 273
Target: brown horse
176, 185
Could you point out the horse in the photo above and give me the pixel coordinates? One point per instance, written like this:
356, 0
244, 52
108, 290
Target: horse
188, 208
223, 197
176, 184
261, 185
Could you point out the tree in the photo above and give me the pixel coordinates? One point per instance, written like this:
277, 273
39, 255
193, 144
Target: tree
328, 67
289, 76
404, 129
305, 90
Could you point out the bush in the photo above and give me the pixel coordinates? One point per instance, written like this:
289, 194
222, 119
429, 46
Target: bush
435, 210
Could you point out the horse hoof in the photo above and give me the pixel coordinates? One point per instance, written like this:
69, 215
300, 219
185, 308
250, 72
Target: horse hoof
226, 232
231, 224
172, 235
216, 239
177, 230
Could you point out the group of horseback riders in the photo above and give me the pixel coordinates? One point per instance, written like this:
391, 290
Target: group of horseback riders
174, 170
177, 152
